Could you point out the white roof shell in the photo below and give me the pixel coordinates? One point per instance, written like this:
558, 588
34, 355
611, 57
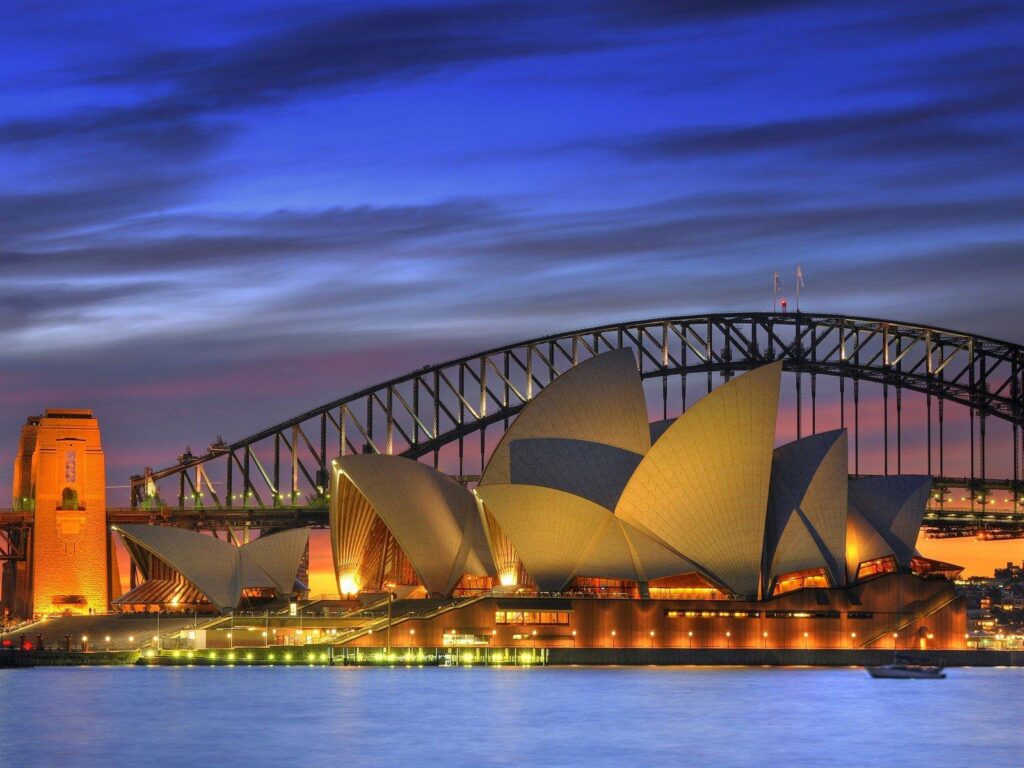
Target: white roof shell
702, 489
806, 526
221, 570
559, 536
434, 519
595, 471
601, 400
884, 517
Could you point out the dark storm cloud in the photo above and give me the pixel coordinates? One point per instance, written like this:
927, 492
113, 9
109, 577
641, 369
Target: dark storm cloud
659, 12
940, 18
344, 51
687, 229
351, 50
57, 304
24, 215
915, 131
185, 242
162, 128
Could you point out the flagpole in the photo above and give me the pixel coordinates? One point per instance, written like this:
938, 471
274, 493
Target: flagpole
799, 283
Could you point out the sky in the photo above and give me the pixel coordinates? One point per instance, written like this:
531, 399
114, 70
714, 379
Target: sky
214, 216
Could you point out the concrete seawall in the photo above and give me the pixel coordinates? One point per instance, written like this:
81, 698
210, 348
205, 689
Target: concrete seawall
775, 658
10, 659
555, 657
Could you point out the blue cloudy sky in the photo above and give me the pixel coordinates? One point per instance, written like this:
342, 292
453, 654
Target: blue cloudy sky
215, 215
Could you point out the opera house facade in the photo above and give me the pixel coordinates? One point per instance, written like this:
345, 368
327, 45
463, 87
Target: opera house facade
592, 527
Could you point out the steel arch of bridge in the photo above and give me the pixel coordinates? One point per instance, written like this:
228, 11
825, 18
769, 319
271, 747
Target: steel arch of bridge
416, 415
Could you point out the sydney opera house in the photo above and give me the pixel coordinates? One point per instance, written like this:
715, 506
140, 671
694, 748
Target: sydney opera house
592, 527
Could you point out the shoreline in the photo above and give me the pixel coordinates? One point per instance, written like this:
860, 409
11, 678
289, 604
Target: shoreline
554, 657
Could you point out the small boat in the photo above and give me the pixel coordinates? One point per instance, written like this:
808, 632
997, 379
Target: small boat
906, 669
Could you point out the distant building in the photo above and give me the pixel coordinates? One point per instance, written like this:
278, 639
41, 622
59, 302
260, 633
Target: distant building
1012, 572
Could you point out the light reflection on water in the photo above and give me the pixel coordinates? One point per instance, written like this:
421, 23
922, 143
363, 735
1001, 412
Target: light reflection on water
296, 717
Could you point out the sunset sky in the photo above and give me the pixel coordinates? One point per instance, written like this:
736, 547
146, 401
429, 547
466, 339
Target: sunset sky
214, 216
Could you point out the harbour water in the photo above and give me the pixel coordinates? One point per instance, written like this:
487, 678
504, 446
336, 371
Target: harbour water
618, 716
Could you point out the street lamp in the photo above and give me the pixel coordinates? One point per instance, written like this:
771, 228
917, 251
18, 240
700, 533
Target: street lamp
689, 639
391, 596
728, 641
574, 638
894, 636
652, 638
806, 635
764, 639
853, 639
613, 638
534, 636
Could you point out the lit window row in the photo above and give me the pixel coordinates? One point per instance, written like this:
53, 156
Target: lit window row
694, 614
531, 617
714, 614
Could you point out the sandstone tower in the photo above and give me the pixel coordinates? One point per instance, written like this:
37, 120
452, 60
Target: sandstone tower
59, 475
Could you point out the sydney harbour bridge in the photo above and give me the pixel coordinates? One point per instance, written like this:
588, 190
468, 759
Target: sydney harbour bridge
915, 399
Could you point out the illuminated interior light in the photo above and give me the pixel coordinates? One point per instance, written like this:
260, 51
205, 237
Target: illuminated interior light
348, 585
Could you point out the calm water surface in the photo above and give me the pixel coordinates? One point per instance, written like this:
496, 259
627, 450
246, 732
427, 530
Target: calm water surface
683, 716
